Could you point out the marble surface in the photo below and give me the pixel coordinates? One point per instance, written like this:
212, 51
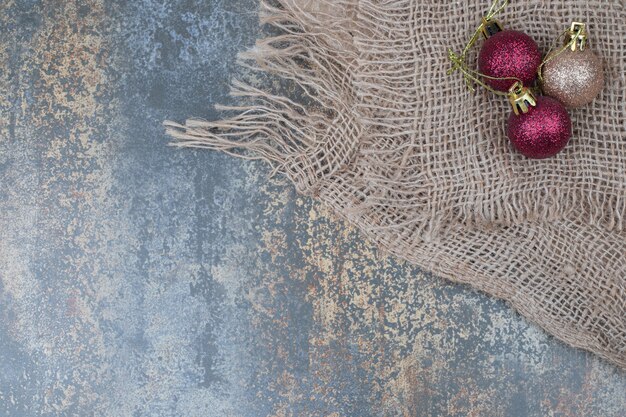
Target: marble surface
137, 279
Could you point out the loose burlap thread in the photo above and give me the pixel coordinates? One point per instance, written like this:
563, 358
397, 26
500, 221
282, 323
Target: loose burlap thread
423, 166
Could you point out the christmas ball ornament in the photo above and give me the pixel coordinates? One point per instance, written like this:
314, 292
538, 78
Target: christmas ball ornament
574, 76
538, 127
507, 54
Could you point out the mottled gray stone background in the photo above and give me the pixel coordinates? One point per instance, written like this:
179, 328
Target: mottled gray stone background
141, 280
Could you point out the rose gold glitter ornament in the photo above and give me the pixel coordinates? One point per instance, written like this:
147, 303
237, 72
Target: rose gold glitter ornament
574, 75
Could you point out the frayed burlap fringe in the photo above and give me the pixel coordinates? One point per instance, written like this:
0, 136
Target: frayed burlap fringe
423, 167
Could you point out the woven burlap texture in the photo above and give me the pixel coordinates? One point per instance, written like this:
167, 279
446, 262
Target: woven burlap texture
423, 166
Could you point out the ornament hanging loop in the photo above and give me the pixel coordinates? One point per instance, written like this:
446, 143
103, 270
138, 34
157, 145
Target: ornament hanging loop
488, 27
577, 37
521, 98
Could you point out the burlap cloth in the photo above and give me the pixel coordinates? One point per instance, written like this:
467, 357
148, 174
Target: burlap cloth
423, 166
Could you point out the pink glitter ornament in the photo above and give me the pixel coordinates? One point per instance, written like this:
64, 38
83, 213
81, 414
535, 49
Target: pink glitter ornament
509, 53
543, 131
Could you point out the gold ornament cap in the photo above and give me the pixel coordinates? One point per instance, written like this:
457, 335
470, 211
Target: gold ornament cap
578, 34
521, 98
490, 27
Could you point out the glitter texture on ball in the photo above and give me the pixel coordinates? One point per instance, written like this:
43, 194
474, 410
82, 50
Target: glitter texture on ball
542, 132
575, 78
509, 54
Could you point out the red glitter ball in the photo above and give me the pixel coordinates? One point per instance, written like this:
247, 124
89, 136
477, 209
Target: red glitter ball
509, 54
542, 132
